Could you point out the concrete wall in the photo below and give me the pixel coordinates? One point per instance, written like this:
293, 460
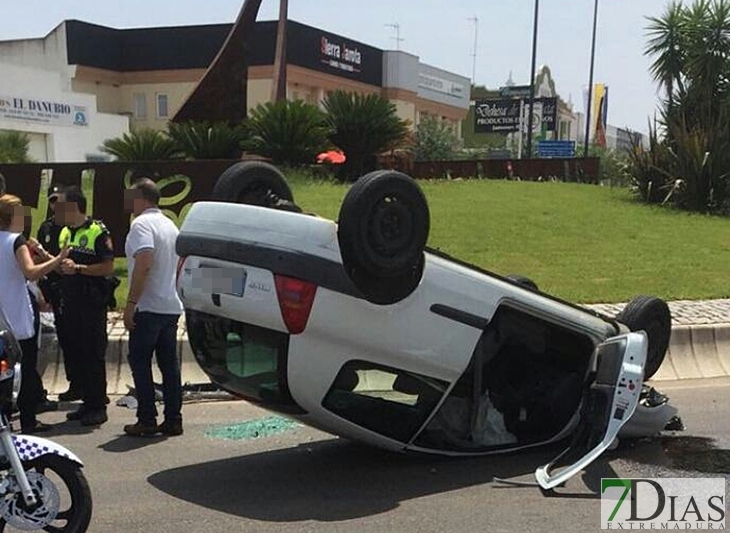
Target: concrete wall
400, 70
48, 53
259, 92
108, 96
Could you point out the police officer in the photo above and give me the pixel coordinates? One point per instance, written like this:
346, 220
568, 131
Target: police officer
48, 234
84, 296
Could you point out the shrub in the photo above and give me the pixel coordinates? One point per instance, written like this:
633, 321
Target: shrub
289, 132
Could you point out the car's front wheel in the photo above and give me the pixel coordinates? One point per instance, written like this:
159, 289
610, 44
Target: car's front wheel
652, 315
253, 183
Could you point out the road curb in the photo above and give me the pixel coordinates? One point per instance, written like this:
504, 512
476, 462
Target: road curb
118, 373
695, 352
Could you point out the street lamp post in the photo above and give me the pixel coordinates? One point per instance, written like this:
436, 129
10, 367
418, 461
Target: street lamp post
532, 82
590, 81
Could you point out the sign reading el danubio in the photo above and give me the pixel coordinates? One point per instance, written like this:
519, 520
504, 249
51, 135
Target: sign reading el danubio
43, 111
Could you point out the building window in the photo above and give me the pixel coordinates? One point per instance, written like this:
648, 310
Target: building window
140, 106
162, 111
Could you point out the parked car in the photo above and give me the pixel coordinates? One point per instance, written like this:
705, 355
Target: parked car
359, 329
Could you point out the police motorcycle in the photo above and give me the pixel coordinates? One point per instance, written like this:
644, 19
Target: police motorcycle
42, 485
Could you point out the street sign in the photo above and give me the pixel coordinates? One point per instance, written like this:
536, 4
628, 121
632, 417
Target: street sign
515, 91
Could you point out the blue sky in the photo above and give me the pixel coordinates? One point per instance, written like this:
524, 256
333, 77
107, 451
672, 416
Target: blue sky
439, 31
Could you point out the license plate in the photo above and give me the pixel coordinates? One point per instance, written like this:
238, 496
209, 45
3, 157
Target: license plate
220, 280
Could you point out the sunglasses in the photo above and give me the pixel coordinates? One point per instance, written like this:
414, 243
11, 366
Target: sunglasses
53, 199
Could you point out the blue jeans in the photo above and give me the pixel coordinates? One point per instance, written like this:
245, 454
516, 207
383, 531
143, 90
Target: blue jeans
155, 333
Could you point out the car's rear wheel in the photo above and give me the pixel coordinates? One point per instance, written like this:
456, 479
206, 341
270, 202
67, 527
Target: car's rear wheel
652, 315
382, 232
524, 281
253, 183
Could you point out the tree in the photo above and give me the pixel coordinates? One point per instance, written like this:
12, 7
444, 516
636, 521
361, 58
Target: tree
14, 147
690, 47
363, 126
207, 140
142, 145
435, 140
289, 132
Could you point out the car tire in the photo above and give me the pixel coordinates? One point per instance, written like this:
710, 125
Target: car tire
390, 290
382, 232
652, 315
524, 281
252, 183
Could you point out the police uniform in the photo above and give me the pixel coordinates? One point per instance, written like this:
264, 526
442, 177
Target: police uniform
48, 235
83, 309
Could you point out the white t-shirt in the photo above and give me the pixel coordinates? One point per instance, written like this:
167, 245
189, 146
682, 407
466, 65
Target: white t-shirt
15, 306
152, 230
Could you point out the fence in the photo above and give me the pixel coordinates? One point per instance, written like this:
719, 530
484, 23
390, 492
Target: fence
184, 182
181, 183
579, 170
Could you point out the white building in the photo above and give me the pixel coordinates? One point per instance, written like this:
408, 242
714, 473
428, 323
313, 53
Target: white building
63, 126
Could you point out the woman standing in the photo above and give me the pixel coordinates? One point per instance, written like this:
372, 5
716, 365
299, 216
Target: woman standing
16, 267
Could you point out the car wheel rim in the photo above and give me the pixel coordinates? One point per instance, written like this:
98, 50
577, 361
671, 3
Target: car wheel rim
391, 227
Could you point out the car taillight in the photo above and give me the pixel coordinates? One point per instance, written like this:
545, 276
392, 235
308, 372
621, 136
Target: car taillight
295, 300
180, 263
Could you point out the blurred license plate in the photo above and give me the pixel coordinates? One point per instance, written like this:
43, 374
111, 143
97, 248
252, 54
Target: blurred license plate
220, 280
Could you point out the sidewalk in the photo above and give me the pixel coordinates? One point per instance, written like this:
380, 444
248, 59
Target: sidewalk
684, 313
699, 347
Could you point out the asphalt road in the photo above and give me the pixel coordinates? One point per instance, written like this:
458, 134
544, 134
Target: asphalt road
304, 480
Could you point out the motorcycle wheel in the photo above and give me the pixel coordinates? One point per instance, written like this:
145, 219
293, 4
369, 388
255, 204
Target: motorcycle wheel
75, 505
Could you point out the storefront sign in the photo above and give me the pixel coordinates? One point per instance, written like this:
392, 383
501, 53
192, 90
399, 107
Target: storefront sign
43, 111
440, 85
503, 116
332, 54
496, 116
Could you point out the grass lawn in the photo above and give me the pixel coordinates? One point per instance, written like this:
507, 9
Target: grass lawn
584, 243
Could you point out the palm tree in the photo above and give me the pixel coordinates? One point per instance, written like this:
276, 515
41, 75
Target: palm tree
206, 140
665, 44
690, 47
289, 132
363, 126
142, 145
14, 147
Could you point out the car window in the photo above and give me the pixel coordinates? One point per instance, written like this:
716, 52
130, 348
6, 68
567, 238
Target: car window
394, 403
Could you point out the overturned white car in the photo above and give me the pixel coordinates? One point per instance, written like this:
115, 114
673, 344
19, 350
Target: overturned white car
359, 329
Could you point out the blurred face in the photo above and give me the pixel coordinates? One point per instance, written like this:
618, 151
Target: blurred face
133, 201
21, 219
66, 212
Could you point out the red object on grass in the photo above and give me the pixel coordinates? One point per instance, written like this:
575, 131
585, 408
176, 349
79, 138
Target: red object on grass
334, 157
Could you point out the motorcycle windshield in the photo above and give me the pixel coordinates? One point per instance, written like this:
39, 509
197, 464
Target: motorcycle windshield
608, 405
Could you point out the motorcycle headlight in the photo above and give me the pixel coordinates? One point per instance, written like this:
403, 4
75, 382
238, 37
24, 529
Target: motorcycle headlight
10, 352
10, 356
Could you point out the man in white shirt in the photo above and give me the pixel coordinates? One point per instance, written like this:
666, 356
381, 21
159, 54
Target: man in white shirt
153, 309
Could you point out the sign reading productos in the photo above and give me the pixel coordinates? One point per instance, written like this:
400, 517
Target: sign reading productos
503, 115
42, 111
